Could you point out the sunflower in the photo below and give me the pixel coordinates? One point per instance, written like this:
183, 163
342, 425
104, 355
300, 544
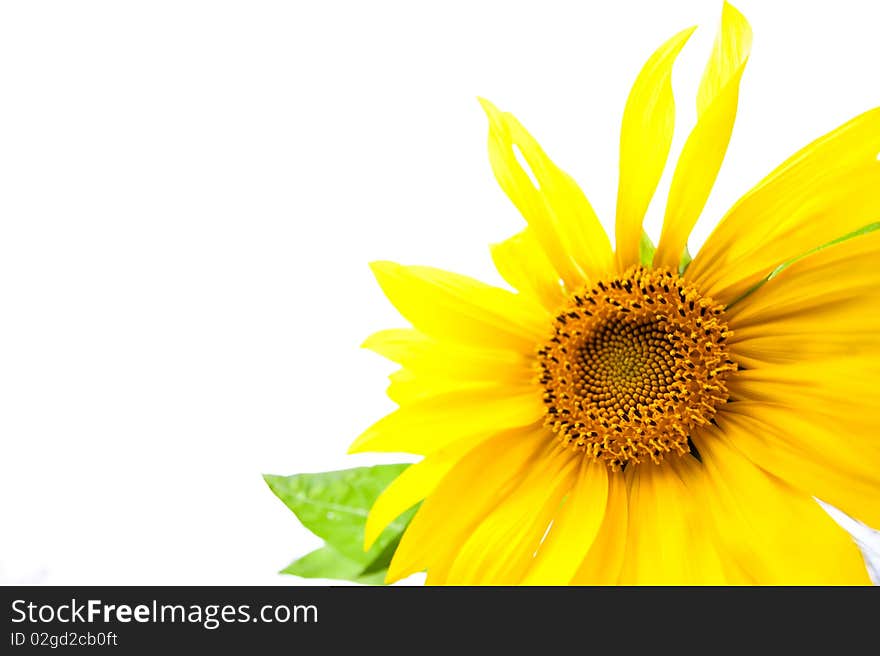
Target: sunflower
629, 415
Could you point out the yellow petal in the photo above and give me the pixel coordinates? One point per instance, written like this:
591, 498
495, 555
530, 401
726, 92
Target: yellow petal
522, 262
556, 209
431, 423
731, 49
823, 192
414, 484
449, 306
704, 149
462, 498
818, 409
840, 388
824, 463
821, 306
408, 387
668, 541
604, 560
645, 138
574, 529
776, 534
502, 547
420, 354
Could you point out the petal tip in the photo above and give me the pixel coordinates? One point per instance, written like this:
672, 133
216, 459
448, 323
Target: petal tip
371, 341
730, 11
384, 271
382, 266
733, 17
494, 114
687, 32
487, 105
360, 443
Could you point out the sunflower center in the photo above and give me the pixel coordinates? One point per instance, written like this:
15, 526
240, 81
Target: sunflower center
634, 364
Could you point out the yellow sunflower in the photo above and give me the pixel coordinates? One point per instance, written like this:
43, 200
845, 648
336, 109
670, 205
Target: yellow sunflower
629, 416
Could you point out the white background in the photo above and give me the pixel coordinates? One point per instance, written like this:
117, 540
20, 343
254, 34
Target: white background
190, 193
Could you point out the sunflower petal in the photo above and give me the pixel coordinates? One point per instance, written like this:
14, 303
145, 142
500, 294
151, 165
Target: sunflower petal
776, 534
414, 484
604, 559
824, 463
428, 424
840, 388
816, 409
574, 529
501, 548
408, 387
824, 191
645, 139
470, 490
523, 264
449, 306
820, 306
556, 209
668, 540
704, 150
420, 354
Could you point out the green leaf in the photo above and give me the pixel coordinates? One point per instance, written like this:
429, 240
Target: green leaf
327, 563
864, 230
646, 250
334, 506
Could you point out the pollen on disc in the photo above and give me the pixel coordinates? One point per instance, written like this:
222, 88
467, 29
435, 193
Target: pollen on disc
633, 365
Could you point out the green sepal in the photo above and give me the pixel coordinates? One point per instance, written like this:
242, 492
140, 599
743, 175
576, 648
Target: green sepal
686, 259
646, 250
